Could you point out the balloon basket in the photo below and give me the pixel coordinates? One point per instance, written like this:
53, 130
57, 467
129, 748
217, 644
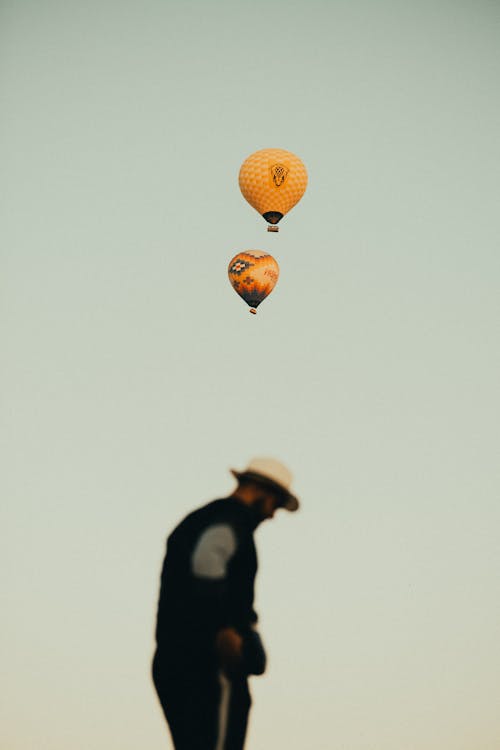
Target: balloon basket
254, 312
273, 228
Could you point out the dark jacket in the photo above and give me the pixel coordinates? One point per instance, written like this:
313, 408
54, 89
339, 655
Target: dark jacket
207, 583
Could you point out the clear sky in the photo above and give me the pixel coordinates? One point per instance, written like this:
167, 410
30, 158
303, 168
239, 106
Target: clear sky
133, 377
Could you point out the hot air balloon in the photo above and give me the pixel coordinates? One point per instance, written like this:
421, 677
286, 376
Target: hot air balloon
273, 181
253, 274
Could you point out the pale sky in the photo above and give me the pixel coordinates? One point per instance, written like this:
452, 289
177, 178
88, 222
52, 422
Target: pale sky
133, 377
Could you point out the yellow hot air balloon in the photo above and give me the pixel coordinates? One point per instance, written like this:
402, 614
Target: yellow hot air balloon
273, 181
253, 274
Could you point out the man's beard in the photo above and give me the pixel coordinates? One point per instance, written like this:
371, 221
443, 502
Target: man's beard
260, 508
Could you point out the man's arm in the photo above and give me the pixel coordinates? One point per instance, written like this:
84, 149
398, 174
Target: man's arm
210, 561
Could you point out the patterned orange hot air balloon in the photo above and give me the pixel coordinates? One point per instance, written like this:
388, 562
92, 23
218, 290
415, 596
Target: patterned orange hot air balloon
253, 274
273, 181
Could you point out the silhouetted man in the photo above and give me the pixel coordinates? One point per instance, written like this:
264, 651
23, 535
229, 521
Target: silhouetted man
207, 642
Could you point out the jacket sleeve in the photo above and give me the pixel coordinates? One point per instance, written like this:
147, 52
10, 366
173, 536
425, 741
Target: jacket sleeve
211, 558
254, 654
223, 569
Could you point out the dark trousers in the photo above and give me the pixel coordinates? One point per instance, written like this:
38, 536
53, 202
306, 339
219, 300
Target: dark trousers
203, 708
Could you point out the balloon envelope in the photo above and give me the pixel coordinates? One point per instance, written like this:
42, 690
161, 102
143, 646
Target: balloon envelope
273, 181
253, 275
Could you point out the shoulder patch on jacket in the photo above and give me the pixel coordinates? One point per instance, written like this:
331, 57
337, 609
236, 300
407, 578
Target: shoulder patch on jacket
213, 550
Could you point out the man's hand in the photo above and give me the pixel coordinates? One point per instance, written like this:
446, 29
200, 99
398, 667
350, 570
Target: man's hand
229, 647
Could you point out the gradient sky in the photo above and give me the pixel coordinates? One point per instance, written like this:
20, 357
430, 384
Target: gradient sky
133, 377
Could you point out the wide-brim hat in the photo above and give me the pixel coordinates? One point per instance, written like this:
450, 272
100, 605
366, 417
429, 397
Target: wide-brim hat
271, 473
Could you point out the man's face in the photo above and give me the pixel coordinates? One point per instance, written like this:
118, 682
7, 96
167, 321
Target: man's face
266, 502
